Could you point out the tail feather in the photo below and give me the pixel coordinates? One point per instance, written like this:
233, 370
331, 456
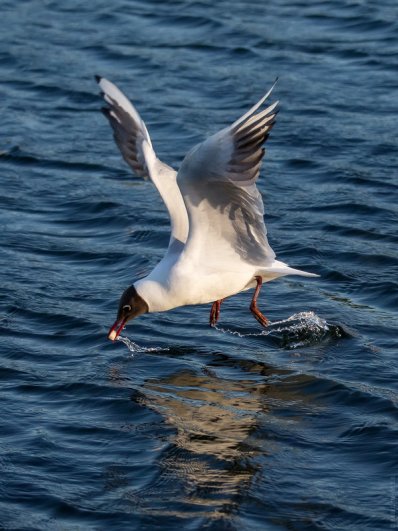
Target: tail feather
281, 269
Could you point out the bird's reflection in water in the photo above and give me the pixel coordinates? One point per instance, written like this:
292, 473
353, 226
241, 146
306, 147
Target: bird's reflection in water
211, 453
224, 425
212, 416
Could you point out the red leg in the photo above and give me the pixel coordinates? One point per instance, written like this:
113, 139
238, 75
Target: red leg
215, 312
253, 306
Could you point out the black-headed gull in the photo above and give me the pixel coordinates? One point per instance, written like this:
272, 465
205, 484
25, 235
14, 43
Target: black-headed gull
218, 245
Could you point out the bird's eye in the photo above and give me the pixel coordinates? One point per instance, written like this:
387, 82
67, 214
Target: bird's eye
127, 307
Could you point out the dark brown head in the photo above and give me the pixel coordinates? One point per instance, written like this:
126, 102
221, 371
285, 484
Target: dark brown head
130, 305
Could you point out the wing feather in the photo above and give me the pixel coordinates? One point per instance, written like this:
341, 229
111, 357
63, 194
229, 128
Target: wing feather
132, 138
218, 182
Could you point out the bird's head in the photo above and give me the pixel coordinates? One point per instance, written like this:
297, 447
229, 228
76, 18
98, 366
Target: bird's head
130, 305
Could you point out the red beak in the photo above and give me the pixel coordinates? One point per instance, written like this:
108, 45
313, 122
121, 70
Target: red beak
116, 329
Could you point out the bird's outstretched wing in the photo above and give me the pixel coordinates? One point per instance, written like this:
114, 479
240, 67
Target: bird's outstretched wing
217, 179
132, 138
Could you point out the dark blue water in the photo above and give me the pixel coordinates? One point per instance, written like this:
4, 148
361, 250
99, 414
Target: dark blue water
201, 428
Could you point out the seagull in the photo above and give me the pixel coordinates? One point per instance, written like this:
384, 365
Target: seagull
218, 244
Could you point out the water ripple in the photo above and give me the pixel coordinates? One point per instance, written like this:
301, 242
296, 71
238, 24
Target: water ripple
180, 424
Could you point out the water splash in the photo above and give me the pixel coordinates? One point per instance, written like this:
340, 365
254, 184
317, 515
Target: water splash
134, 348
301, 329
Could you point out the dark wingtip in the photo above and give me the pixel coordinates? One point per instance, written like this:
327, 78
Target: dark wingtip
98, 78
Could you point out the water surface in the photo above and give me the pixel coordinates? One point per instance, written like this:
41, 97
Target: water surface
198, 428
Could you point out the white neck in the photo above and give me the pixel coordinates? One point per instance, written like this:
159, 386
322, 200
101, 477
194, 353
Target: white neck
155, 295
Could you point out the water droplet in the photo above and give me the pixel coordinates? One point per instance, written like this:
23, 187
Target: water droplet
134, 348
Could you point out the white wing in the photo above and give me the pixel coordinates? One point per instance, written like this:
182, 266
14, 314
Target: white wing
131, 135
218, 182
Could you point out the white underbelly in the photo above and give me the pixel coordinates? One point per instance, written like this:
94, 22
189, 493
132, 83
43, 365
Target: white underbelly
184, 284
207, 285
